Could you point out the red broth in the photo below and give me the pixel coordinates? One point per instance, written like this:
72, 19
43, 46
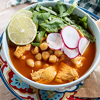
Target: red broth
22, 67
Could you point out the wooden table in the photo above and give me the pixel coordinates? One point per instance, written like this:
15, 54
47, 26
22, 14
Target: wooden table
5, 16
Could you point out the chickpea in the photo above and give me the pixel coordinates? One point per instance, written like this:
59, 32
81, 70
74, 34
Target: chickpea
44, 46
51, 51
45, 55
58, 53
46, 65
52, 58
23, 57
35, 50
30, 62
38, 56
38, 64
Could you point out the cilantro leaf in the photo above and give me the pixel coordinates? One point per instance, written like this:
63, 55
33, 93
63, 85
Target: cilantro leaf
40, 17
43, 17
61, 7
54, 25
34, 17
39, 36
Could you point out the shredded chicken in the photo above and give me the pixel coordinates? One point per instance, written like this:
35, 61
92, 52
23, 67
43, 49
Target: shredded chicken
66, 74
44, 75
78, 61
21, 49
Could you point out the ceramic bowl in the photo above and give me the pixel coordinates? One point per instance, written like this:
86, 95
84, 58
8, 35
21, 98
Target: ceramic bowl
62, 87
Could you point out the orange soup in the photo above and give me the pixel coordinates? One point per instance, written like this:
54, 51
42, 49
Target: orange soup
22, 67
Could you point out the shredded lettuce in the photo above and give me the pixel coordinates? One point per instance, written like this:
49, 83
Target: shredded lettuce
39, 18
35, 44
77, 25
39, 7
31, 9
83, 21
61, 7
54, 25
53, 20
89, 36
70, 9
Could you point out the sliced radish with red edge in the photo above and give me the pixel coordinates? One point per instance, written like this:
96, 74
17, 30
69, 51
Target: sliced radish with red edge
54, 41
70, 37
71, 53
82, 45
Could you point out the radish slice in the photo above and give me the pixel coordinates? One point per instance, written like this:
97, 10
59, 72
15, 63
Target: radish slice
71, 53
70, 37
54, 41
82, 45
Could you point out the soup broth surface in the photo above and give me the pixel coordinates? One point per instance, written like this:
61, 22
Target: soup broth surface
22, 67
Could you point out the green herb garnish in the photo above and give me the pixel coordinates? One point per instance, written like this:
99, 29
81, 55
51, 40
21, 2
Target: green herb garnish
53, 20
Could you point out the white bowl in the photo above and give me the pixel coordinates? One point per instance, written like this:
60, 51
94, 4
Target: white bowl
62, 87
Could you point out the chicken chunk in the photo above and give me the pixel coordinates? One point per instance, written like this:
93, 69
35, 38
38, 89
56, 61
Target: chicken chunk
20, 50
78, 61
44, 75
66, 74
30, 62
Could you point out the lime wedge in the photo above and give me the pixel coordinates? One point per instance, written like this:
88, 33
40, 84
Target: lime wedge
22, 12
22, 30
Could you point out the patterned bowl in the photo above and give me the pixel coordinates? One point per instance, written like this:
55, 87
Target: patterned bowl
61, 87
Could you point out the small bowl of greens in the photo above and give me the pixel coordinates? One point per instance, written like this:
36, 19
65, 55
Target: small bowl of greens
52, 45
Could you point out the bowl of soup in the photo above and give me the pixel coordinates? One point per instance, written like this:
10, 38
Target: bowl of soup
64, 51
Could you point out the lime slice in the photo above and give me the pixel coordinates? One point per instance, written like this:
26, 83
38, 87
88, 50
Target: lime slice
22, 12
22, 30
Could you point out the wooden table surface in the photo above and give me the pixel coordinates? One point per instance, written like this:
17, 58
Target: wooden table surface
5, 16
